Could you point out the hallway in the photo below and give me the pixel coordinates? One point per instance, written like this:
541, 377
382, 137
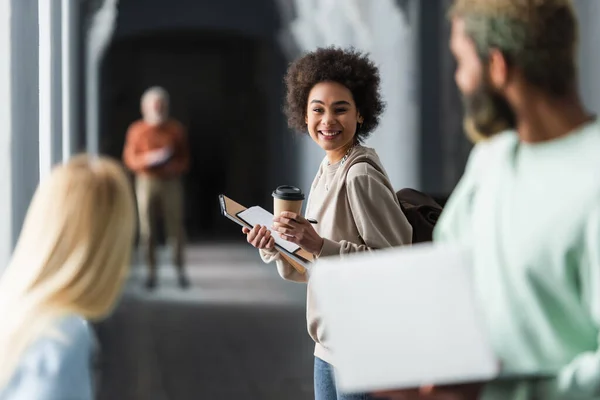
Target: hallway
238, 333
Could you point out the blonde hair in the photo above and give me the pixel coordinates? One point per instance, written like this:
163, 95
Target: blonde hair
72, 256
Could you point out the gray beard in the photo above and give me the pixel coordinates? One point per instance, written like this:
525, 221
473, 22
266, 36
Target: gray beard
154, 120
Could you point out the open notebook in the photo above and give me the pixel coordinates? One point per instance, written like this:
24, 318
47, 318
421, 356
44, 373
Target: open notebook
259, 216
300, 259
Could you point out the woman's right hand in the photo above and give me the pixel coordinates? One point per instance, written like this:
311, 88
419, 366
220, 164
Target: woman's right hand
259, 237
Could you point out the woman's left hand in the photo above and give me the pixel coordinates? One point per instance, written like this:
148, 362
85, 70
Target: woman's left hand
296, 229
453, 392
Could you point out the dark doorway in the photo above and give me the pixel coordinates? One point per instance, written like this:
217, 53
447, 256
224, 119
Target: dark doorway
217, 91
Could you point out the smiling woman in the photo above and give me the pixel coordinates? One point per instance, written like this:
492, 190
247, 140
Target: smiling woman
332, 119
353, 73
333, 94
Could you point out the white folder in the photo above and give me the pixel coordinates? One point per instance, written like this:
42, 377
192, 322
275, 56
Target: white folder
402, 318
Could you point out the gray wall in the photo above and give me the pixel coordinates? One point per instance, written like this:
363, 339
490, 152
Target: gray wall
589, 52
24, 98
443, 147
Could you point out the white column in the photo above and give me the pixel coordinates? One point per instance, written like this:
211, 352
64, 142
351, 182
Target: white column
98, 39
57, 86
6, 220
50, 99
70, 69
18, 117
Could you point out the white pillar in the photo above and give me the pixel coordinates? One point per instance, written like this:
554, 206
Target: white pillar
18, 117
70, 75
6, 219
50, 99
98, 38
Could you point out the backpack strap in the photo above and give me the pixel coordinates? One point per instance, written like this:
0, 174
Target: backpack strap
367, 160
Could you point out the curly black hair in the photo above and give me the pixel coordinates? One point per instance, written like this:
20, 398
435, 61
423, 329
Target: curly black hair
348, 67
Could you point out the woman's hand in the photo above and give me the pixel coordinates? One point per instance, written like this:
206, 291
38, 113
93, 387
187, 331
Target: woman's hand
296, 229
454, 392
414, 395
259, 237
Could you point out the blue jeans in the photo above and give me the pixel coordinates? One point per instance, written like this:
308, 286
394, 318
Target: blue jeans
325, 388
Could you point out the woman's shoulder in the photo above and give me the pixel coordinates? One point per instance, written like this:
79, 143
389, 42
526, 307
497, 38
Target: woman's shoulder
67, 339
364, 162
70, 330
57, 365
59, 360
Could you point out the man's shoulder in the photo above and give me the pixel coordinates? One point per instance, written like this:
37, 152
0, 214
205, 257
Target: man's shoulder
137, 126
487, 150
590, 135
497, 143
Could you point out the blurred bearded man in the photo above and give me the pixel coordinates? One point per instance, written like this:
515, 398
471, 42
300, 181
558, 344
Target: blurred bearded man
528, 205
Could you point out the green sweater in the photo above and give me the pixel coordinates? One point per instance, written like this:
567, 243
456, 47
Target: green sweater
531, 215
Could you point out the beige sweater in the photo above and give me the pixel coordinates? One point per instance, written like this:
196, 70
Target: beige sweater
357, 210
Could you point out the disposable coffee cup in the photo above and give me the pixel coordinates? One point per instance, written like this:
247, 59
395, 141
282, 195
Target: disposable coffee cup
287, 198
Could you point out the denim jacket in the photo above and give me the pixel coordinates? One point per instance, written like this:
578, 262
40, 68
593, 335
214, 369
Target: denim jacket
55, 368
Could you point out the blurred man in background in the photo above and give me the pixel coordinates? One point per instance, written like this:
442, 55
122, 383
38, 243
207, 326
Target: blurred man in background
157, 151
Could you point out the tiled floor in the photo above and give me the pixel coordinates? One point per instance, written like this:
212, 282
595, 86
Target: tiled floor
238, 333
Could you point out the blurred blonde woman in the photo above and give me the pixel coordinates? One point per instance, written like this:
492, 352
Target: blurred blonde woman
68, 267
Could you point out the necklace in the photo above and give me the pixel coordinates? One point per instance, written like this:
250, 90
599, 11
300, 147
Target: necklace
345, 155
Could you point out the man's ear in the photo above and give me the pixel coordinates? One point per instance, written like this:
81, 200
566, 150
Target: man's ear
498, 69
